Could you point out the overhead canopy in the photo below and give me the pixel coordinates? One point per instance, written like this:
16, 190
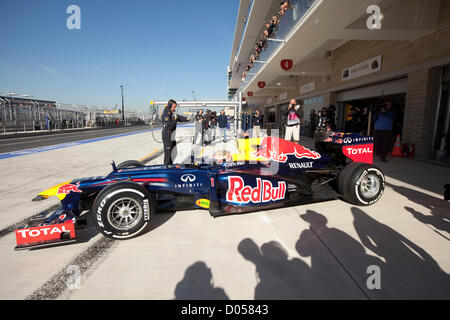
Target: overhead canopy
202, 104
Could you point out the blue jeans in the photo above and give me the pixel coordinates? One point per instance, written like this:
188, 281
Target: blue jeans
223, 134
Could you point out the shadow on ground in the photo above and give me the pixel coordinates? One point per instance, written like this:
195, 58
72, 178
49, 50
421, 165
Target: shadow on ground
439, 209
427, 176
340, 264
198, 284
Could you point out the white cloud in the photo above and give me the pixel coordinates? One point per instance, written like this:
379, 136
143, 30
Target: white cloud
43, 67
132, 79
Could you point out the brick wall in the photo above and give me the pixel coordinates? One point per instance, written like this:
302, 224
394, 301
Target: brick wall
421, 110
417, 102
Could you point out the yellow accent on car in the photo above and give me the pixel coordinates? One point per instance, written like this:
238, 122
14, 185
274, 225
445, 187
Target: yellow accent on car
246, 147
53, 191
203, 203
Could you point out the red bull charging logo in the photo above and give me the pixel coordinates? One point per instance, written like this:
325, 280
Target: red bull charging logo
278, 150
68, 188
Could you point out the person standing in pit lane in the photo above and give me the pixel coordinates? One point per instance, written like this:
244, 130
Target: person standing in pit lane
257, 124
198, 126
383, 123
223, 124
294, 115
213, 124
206, 128
170, 119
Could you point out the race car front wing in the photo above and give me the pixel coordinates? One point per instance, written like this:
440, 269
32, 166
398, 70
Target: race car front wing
59, 228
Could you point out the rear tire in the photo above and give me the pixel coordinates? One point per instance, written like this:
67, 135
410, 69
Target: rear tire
361, 184
123, 210
130, 164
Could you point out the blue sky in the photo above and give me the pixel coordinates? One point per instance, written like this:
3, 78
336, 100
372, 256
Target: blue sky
156, 49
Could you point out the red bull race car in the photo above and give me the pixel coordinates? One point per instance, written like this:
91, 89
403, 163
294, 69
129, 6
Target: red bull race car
265, 173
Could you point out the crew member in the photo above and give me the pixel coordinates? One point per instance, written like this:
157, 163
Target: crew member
294, 115
170, 119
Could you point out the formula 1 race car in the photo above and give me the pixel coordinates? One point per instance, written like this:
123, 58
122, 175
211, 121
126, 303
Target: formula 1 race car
266, 173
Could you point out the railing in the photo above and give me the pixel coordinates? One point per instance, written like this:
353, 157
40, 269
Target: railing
287, 23
244, 28
39, 125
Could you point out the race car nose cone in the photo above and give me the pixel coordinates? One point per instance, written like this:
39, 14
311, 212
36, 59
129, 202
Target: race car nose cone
39, 198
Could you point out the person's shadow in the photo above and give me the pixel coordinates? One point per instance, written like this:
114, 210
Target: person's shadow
439, 209
197, 284
339, 263
279, 277
438, 222
341, 266
409, 272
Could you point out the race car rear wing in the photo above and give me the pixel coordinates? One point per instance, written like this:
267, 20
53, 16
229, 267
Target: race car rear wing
355, 146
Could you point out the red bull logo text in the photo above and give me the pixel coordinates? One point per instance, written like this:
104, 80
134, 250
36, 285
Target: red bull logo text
264, 191
278, 150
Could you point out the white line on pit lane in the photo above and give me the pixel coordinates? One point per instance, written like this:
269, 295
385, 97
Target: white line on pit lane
65, 145
59, 135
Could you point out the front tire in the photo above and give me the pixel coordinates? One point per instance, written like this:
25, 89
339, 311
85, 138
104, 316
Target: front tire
130, 164
361, 184
123, 210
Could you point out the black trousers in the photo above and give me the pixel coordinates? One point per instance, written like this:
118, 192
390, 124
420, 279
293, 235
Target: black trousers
169, 145
382, 142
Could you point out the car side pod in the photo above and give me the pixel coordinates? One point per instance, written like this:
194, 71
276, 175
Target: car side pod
46, 235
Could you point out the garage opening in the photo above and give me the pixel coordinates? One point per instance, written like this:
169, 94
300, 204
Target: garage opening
358, 115
357, 107
442, 129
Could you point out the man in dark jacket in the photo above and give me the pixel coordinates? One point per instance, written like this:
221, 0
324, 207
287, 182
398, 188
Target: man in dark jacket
206, 127
383, 123
198, 126
222, 120
213, 124
257, 124
170, 119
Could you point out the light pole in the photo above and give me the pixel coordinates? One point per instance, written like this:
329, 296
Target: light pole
239, 115
123, 111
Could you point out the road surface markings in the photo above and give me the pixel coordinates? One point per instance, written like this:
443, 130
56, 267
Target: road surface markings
64, 145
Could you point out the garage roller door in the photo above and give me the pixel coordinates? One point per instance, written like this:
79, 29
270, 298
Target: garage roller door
373, 91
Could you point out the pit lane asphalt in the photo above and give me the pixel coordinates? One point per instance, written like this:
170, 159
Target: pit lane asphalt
321, 250
16, 143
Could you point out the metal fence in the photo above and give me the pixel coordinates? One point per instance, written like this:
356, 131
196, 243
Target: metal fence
39, 125
22, 116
